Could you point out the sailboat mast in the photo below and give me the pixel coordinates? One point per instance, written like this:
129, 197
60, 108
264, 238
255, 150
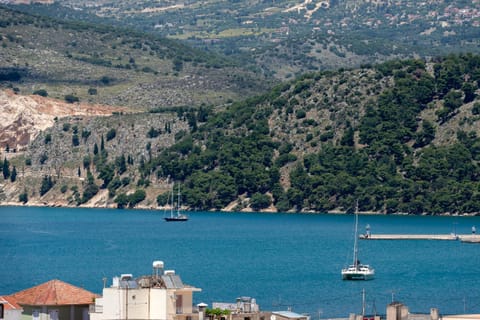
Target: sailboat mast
355, 245
173, 203
178, 200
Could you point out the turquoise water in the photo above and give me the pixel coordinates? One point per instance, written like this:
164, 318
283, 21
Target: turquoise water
282, 260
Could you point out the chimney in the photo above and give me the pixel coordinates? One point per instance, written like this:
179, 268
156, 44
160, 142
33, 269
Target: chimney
201, 310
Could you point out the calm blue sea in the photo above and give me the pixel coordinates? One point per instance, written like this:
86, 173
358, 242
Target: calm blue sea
282, 260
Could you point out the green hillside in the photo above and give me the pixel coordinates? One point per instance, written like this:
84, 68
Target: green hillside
285, 38
401, 137
107, 65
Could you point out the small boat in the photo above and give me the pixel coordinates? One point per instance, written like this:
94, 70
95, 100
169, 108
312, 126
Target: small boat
176, 215
357, 271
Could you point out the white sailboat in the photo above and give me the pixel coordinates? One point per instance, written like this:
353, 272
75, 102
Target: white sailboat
357, 271
176, 215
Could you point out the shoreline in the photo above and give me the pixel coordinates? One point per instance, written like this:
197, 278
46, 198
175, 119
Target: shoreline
268, 210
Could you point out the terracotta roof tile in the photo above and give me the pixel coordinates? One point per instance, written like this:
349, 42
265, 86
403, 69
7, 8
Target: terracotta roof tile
9, 303
54, 293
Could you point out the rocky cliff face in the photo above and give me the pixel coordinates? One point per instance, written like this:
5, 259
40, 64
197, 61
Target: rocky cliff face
27, 121
22, 118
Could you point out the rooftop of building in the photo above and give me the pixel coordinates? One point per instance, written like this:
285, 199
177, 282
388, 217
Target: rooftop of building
54, 293
9, 303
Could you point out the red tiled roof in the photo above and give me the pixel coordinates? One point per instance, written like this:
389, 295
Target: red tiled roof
54, 293
9, 303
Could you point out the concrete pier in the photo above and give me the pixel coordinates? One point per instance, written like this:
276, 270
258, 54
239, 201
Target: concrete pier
411, 237
469, 238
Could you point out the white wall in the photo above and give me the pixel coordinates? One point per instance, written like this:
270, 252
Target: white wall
158, 304
132, 304
12, 314
141, 303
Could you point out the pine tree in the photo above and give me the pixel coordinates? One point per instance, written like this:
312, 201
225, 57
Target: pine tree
75, 140
6, 169
47, 184
23, 197
91, 189
121, 164
13, 175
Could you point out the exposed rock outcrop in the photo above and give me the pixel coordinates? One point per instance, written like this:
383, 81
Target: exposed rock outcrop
22, 118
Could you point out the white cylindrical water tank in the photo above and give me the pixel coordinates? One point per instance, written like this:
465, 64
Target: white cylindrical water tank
157, 268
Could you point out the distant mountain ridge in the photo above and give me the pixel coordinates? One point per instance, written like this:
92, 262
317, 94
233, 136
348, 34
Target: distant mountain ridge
289, 37
113, 66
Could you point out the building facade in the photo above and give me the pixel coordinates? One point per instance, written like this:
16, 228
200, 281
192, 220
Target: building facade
54, 300
160, 296
10, 309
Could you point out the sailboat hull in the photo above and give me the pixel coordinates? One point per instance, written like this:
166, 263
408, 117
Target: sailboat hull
357, 271
178, 218
363, 273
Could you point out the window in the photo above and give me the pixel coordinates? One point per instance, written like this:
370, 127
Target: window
179, 304
53, 314
85, 315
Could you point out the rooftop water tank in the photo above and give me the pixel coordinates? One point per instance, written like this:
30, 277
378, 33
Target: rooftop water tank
126, 277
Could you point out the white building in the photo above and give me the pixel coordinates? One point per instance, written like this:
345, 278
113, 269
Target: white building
243, 305
160, 296
10, 309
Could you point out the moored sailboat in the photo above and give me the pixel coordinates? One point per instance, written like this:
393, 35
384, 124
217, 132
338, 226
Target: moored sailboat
357, 270
176, 215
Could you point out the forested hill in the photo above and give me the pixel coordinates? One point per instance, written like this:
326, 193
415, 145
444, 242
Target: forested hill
401, 137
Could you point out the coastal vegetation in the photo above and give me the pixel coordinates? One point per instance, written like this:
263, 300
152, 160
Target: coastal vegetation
401, 137
390, 155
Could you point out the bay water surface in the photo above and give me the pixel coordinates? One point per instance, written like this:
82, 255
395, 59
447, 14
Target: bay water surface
284, 261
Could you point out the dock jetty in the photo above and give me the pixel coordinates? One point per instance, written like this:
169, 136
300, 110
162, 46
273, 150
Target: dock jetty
471, 238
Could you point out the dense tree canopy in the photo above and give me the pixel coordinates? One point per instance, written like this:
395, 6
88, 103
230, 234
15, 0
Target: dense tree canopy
396, 169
